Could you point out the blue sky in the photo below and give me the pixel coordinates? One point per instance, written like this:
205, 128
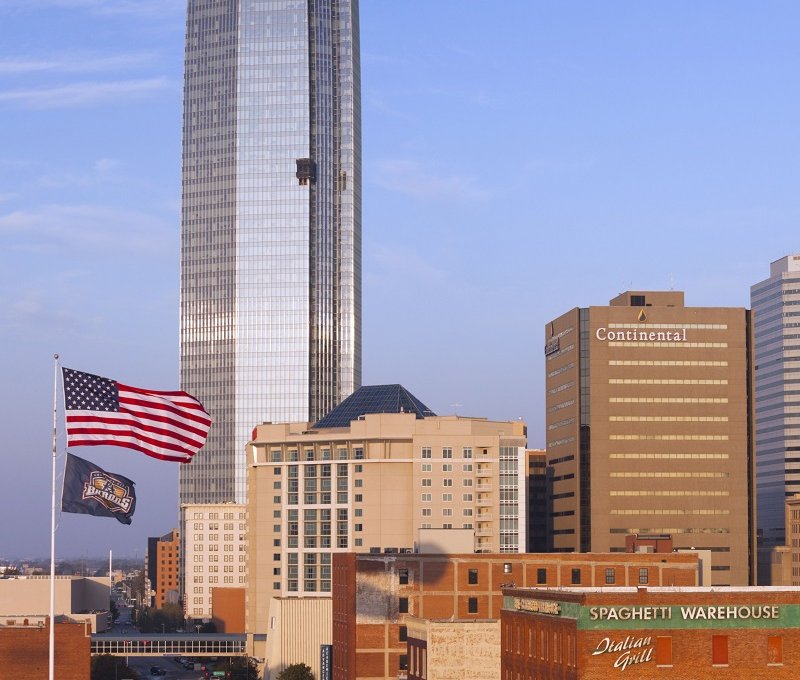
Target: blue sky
520, 159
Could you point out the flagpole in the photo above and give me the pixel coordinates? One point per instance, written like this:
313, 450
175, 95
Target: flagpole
53, 526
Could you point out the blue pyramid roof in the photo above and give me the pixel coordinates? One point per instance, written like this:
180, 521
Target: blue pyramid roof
374, 399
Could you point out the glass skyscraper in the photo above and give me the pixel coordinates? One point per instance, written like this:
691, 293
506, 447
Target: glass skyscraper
777, 357
270, 224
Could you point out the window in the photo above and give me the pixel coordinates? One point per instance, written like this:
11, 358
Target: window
447, 452
467, 512
404, 662
576, 577
426, 452
359, 543
403, 576
467, 497
663, 651
426, 512
359, 512
541, 576
426, 497
719, 650
359, 483
427, 467
507, 567
775, 650
467, 467
426, 482
472, 577
358, 498
359, 468
644, 576
402, 605
359, 527
403, 633
447, 482
447, 512
467, 452
447, 497
472, 605
447, 467
466, 482
611, 576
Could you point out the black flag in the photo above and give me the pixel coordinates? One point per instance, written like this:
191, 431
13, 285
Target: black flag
90, 490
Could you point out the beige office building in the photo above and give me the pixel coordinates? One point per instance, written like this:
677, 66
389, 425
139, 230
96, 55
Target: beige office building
649, 428
372, 476
214, 553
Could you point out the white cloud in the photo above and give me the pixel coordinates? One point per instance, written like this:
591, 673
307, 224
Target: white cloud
74, 63
89, 230
82, 94
143, 8
420, 181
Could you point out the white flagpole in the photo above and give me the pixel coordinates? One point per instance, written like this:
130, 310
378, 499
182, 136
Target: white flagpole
53, 526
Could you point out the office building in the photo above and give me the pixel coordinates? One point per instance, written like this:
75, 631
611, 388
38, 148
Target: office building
378, 598
649, 428
25, 649
163, 560
215, 545
378, 473
671, 633
270, 311
777, 379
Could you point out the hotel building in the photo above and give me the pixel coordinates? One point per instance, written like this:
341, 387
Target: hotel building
372, 476
215, 542
649, 428
777, 378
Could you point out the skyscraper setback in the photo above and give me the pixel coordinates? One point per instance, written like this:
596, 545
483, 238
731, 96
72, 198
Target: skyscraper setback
270, 223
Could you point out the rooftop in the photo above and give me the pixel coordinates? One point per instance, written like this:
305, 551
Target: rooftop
374, 399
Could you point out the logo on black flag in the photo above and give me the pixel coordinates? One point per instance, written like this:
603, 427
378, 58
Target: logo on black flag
90, 490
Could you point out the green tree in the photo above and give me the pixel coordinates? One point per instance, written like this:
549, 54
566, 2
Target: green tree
108, 667
114, 611
242, 668
297, 671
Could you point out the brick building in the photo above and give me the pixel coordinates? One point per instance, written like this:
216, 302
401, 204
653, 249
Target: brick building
163, 567
374, 595
25, 650
665, 633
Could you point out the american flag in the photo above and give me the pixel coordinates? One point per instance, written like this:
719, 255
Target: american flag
164, 425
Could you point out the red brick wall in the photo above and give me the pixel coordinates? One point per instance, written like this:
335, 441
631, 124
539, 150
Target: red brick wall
25, 652
227, 611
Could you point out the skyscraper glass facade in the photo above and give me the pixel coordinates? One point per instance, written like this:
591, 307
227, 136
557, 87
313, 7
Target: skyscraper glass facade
776, 307
271, 222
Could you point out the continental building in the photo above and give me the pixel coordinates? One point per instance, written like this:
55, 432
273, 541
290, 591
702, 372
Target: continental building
384, 603
647, 632
270, 310
374, 475
776, 308
215, 547
163, 562
649, 428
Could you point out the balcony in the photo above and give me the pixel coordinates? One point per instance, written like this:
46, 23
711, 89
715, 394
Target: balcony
484, 532
484, 487
483, 471
484, 502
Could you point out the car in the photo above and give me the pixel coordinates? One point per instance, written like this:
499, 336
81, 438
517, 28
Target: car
157, 670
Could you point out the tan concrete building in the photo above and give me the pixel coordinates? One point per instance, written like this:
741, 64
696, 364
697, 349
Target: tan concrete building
783, 567
370, 477
649, 428
215, 553
24, 599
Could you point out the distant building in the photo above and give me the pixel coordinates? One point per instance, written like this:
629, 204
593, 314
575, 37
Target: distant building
215, 553
163, 561
539, 502
375, 595
777, 373
649, 428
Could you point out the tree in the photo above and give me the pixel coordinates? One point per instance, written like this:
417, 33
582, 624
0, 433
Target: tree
297, 671
114, 611
108, 667
242, 668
